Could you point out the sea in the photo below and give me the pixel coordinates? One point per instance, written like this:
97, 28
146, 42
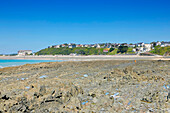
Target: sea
12, 62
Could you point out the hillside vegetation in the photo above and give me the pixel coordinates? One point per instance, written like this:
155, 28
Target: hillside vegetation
161, 50
83, 51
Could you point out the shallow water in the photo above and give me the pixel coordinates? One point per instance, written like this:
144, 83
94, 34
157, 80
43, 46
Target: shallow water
43, 76
15, 62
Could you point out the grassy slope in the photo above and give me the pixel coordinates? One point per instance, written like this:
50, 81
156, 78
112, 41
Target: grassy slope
160, 50
78, 50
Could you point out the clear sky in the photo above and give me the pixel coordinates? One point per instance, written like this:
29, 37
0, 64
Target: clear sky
36, 24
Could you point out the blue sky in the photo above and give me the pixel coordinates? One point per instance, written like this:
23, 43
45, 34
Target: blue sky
36, 24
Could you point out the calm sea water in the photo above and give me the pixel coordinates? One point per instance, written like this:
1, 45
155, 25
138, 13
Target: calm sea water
9, 63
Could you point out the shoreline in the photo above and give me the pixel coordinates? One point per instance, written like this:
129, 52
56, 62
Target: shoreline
87, 58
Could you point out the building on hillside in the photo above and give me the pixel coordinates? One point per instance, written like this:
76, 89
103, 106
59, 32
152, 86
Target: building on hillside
158, 43
71, 46
64, 45
131, 45
57, 46
50, 46
139, 49
117, 45
147, 47
73, 54
86, 45
24, 52
92, 45
140, 44
107, 45
124, 44
98, 46
134, 50
79, 45
165, 44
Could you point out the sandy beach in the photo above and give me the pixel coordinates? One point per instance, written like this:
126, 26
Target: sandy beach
88, 58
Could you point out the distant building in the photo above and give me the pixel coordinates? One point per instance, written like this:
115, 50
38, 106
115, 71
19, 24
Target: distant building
117, 45
158, 43
107, 45
64, 45
147, 47
134, 50
73, 54
98, 46
71, 46
79, 45
92, 45
86, 45
124, 44
57, 46
164, 44
140, 44
24, 52
50, 46
131, 45
141, 49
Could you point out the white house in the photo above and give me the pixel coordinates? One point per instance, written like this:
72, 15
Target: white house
24, 52
98, 46
71, 46
86, 45
57, 46
141, 49
158, 43
147, 47
164, 44
133, 50
132, 45
140, 44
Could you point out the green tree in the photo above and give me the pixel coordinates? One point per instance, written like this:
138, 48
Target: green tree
122, 49
111, 49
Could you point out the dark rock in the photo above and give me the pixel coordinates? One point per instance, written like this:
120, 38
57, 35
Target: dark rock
168, 96
36, 95
5, 97
93, 95
53, 92
42, 90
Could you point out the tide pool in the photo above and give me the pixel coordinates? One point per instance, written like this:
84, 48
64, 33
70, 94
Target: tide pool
11, 62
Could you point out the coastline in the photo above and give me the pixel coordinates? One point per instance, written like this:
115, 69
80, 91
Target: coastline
87, 58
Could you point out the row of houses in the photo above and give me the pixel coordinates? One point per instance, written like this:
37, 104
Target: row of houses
138, 47
71, 45
24, 52
141, 46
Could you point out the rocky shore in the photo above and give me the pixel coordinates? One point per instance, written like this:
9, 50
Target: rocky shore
86, 86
